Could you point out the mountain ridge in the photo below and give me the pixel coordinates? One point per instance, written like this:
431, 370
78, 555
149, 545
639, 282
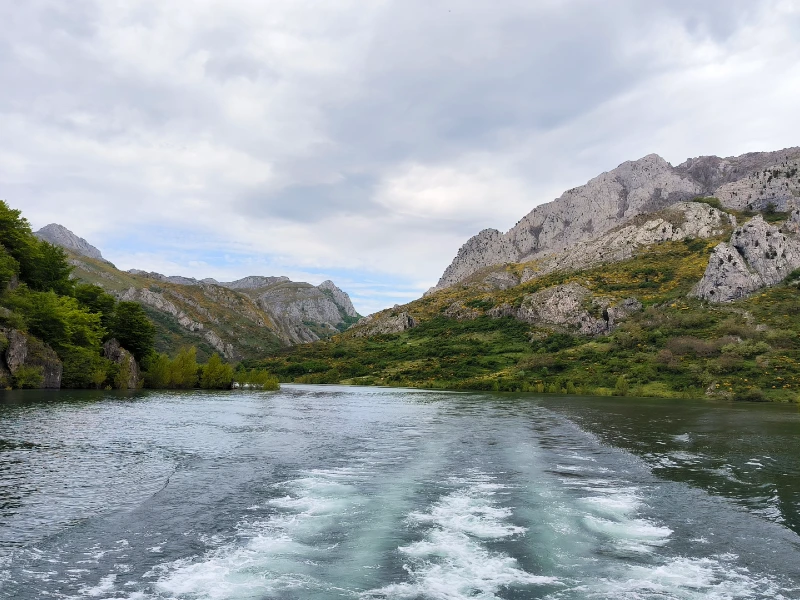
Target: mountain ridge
635, 187
238, 319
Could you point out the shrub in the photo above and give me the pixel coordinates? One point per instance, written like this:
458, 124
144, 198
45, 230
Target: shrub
691, 345
752, 394
28, 377
746, 349
621, 386
217, 375
183, 370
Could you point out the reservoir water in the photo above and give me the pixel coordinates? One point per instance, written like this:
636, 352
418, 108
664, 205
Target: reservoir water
335, 492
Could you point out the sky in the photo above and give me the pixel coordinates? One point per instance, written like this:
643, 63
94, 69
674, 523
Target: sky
364, 141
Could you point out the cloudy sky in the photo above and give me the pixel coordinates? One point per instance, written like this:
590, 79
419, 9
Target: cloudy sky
364, 141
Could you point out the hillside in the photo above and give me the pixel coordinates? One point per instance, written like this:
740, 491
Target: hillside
671, 298
240, 319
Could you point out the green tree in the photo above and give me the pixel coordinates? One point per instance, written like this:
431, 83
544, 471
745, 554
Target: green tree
96, 300
57, 320
217, 375
621, 387
157, 375
50, 270
134, 330
18, 239
9, 268
183, 369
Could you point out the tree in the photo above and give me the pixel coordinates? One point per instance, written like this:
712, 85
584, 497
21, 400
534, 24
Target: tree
157, 375
133, 330
183, 370
96, 300
217, 375
50, 270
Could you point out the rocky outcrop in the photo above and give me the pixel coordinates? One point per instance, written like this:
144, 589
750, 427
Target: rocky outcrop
25, 352
128, 376
384, 323
758, 255
646, 185
254, 282
769, 252
58, 235
755, 180
460, 312
680, 221
727, 277
571, 306
341, 299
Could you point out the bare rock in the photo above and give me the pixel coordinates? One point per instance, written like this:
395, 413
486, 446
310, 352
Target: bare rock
646, 185
382, 324
129, 376
727, 277
459, 312
58, 235
23, 350
769, 252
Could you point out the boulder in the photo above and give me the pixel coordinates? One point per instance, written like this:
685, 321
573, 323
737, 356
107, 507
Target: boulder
128, 377
23, 350
382, 324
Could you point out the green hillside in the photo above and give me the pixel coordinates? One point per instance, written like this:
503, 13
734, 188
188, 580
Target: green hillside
674, 347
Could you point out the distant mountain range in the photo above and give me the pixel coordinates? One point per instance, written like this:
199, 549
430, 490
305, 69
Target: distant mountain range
239, 319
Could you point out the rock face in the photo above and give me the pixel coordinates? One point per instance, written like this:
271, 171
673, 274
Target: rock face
571, 306
383, 323
58, 235
299, 312
634, 188
758, 255
680, 221
129, 377
22, 350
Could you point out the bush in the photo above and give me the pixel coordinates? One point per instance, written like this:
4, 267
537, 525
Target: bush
621, 387
691, 345
217, 375
28, 377
183, 370
752, 394
746, 349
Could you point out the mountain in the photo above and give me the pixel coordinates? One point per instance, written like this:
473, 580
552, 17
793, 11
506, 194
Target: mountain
748, 182
239, 319
637, 283
59, 235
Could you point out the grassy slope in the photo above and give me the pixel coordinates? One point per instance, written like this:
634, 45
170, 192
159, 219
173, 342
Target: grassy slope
676, 347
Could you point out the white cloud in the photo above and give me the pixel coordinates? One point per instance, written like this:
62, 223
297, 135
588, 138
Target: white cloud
363, 140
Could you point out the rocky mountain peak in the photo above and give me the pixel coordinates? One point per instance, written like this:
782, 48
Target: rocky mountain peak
754, 181
58, 235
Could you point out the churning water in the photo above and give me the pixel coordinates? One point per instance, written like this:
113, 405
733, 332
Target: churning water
335, 492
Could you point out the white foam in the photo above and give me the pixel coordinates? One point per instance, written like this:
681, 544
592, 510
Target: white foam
268, 555
681, 578
452, 561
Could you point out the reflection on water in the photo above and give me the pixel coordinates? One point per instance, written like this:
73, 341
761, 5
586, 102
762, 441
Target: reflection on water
327, 492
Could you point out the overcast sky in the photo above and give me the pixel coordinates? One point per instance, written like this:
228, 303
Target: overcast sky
364, 141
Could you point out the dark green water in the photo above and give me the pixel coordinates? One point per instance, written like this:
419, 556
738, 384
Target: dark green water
334, 492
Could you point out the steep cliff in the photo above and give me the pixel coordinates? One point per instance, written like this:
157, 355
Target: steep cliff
754, 181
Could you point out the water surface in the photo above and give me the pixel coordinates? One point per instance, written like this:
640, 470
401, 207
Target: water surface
335, 492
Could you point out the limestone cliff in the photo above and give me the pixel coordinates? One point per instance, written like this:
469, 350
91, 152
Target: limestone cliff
650, 184
758, 255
